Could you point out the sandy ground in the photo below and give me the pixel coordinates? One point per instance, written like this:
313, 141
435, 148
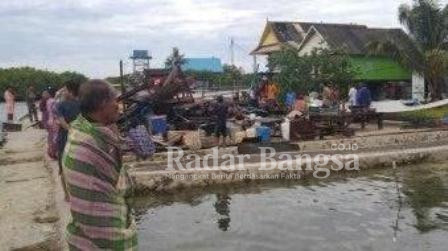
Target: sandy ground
61, 205
29, 218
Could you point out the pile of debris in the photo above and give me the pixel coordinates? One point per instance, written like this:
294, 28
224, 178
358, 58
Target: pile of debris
165, 105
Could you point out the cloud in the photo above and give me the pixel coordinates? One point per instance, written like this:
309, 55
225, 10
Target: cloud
91, 36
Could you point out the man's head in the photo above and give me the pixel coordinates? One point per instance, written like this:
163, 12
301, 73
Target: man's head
220, 99
52, 92
72, 87
45, 94
98, 101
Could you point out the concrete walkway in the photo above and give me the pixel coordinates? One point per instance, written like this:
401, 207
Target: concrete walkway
374, 151
28, 213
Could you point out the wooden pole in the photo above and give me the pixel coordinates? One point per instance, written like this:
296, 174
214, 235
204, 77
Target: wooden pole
123, 88
232, 59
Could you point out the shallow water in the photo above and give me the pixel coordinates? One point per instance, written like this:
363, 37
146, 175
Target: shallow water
402, 209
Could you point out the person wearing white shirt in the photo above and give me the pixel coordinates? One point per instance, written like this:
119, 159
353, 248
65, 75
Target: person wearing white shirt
352, 96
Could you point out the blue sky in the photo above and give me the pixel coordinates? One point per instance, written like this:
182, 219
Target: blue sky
91, 36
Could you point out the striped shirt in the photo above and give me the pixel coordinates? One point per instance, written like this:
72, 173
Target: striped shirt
98, 185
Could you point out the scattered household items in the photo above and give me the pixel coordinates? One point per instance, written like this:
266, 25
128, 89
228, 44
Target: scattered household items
192, 140
161, 102
140, 141
263, 133
329, 121
364, 115
158, 124
147, 98
303, 129
285, 127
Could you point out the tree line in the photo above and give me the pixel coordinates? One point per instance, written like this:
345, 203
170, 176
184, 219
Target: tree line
231, 76
21, 77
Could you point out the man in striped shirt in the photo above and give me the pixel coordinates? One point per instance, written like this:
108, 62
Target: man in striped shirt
97, 182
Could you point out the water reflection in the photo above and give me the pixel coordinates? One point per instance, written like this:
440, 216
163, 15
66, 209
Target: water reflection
222, 207
427, 192
396, 226
20, 110
402, 209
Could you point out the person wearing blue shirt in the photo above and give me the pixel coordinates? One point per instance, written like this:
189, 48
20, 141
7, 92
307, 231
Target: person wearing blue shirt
66, 112
290, 99
364, 96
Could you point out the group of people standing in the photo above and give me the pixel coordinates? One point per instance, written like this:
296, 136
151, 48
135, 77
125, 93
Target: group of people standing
55, 108
264, 94
30, 97
360, 96
298, 104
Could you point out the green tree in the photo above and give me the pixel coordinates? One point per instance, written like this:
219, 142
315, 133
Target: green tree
176, 57
306, 73
231, 75
294, 71
332, 67
427, 25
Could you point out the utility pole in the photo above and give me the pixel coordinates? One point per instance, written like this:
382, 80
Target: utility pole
123, 88
232, 51
232, 59
255, 66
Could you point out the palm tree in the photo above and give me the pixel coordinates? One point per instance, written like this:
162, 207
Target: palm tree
427, 26
175, 58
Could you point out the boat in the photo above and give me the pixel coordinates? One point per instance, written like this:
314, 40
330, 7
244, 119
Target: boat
399, 106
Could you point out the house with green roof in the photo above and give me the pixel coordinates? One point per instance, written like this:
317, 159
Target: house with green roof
378, 71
